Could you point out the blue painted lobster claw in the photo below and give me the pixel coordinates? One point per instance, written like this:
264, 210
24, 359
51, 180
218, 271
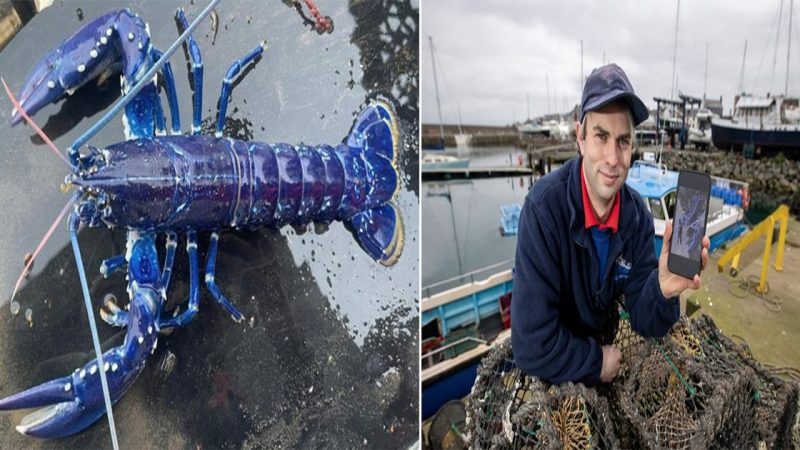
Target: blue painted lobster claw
73, 403
116, 41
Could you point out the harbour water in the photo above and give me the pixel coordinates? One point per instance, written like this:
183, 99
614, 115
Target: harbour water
461, 222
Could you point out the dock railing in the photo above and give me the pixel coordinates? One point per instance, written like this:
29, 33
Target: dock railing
767, 226
469, 277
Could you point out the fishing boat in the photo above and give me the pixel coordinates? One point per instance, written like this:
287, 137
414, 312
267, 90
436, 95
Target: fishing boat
700, 131
770, 123
459, 326
658, 186
530, 129
437, 161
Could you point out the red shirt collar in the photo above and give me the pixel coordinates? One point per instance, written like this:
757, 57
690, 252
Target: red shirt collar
589, 219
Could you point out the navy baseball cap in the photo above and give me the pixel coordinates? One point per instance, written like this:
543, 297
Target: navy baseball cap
608, 84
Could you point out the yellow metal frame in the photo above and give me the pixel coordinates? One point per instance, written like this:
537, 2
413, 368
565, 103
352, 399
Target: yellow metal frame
766, 226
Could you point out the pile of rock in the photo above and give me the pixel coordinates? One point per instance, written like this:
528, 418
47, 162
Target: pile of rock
773, 181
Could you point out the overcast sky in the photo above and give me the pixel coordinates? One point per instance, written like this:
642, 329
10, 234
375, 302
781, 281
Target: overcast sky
492, 53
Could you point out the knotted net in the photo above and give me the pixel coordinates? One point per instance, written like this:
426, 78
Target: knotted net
694, 388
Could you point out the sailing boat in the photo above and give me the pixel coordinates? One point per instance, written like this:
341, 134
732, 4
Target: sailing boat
770, 123
440, 144
435, 160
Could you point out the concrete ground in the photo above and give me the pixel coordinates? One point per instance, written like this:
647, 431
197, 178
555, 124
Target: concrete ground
771, 328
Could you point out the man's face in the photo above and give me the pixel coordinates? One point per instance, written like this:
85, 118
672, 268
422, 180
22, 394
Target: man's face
606, 151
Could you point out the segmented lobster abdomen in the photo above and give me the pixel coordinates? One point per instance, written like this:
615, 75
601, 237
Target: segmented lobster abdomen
283, 184
206, 183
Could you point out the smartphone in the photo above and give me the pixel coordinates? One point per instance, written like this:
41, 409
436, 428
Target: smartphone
689, 223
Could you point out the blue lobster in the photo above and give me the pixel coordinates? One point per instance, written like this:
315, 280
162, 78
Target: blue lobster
156, 183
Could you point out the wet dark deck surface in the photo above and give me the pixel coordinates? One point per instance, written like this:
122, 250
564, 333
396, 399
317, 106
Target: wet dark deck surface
327, 355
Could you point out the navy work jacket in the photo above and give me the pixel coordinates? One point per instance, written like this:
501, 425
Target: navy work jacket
559, 304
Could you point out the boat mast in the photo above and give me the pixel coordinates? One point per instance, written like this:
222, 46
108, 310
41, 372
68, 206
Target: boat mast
580, 79
528, 102
705, 77
777, 41
741, 74
788, 50
547, 86
460, 130
436, 86
675, 51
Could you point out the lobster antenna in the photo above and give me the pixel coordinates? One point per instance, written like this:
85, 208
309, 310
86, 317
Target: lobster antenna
33, 125
43, 242
125, 99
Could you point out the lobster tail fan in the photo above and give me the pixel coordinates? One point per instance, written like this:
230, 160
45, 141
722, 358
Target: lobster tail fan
379, 228
380, 233
376, 131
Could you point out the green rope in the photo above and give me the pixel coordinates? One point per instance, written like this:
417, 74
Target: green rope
689, 388
529, 432
457, 432
715, 344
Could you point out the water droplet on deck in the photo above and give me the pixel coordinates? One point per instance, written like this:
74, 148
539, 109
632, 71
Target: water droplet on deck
15, 308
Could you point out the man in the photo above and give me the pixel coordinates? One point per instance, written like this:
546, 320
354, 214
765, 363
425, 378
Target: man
585, 239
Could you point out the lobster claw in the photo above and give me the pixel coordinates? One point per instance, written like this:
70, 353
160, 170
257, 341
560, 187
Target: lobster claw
71, 403
74, 402
116, 41
41, 87
54, 420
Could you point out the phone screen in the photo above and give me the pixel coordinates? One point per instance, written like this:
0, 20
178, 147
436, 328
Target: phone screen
689, 224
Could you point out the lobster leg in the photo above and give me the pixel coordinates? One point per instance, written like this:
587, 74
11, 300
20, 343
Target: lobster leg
194, 288
227, 83
112, 314
211, 284
172, 243
197, 73
172, 95
111, 265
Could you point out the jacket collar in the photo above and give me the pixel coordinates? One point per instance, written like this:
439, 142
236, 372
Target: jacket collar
629, 219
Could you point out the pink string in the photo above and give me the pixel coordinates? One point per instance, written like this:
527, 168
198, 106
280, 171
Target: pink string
43, 242
32, 124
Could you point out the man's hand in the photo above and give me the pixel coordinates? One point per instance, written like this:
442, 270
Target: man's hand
670, 283
611, 359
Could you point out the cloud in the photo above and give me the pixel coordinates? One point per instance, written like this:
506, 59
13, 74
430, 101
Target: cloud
493, 54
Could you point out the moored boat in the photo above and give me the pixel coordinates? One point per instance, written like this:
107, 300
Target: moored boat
658, 187
769, 123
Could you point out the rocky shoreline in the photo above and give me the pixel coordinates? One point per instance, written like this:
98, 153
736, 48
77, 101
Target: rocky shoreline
773, 181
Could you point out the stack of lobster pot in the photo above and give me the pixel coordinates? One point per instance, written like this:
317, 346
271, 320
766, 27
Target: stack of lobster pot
693, 388
776, 406
509, 410
679, 397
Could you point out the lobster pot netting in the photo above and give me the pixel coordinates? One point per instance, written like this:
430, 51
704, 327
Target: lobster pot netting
776, 407
694, 388
509, 410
